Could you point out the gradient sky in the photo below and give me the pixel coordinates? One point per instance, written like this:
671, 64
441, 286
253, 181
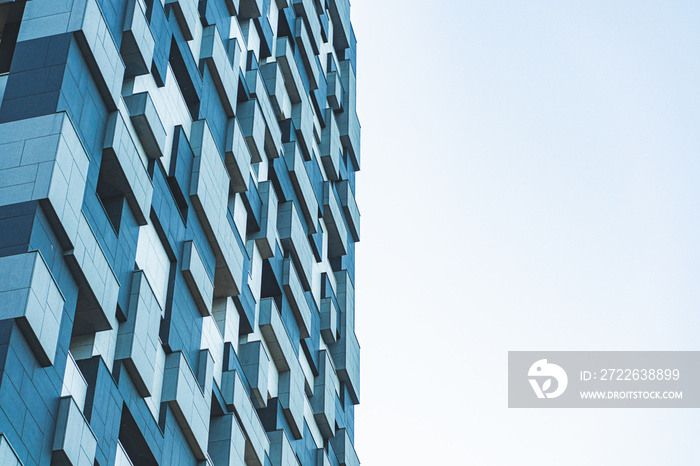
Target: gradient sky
530, 181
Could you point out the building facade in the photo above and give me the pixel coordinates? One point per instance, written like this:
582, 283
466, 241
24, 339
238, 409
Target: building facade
177, 232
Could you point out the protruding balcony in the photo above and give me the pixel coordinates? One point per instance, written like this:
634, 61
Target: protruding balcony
330, 329
45, 160
74, 442
47, 18
344, 449
322, 457
187, 16
303, 118
188, 402
226, 441
200, 283
330, 147
305, 49
297, 300
99, 287
238, 157
346, 351
352, 213
137, 41
294, 240
302, 184
335, 222
250, 9
214, 55
335, 91
266, 239
147, 123
121, 159
346, 355
325, 393
342, 29
348, 123
74, 383
209, 194
305, 9
292, 78
279, 98
236, 398
281, 451
29, 294
275, 335
256, 365
292, 397
138, 340
252, 123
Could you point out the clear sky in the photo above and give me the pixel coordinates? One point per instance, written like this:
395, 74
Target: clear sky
530, 181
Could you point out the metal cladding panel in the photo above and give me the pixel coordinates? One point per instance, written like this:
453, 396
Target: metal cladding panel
177, 228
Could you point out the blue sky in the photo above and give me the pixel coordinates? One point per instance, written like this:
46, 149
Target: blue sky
530, 181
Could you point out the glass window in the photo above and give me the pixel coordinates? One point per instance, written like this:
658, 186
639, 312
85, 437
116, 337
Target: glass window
10, 18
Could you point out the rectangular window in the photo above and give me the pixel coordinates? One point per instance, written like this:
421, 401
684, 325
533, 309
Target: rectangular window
10, 19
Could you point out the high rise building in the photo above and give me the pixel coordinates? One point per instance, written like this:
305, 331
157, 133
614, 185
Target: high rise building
177, 232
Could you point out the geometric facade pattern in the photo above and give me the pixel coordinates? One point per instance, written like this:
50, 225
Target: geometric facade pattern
177, 232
